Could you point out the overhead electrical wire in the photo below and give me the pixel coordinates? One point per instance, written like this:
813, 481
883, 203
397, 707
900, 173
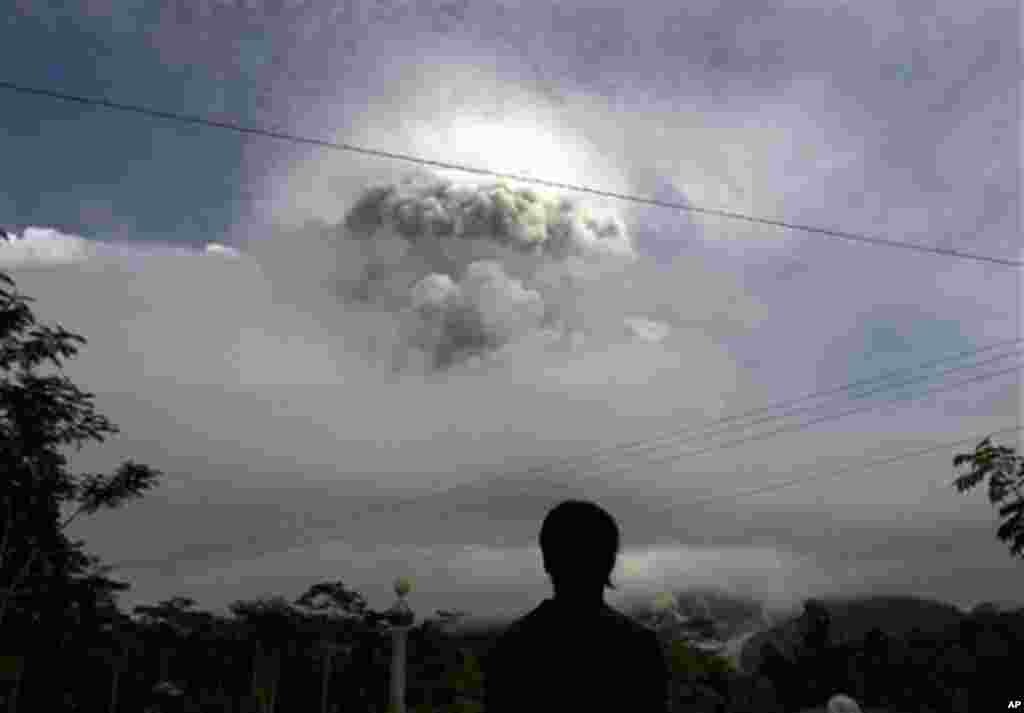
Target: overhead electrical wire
700, 429
515, 177
891, 387
540, 470
786, 429
813, 422
843, 471
810, 476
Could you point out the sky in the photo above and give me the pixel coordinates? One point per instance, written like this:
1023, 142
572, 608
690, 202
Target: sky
333, 392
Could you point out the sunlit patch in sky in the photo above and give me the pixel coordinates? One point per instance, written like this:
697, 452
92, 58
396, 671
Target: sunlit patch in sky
455, 111
519, 146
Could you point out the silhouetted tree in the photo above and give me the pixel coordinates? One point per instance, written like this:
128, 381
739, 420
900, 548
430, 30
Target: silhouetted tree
817, 627
40, 414
50, 589
781, 671
169, 622
812, 655
1005, 471
272, 623
437, 670
338, 615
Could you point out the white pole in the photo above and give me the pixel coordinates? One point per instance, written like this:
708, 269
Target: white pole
326, 679
398, 669
402, 618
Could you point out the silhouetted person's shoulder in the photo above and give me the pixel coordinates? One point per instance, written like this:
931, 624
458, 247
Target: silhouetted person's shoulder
556, 659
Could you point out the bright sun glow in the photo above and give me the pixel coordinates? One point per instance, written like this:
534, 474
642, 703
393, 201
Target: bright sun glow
515, 147
520, 149
525, 138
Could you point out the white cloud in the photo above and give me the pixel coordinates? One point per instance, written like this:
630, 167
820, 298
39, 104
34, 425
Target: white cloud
48, 247
646, 329
218, 249
39, 247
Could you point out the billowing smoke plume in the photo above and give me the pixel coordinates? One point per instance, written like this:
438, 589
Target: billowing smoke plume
485, 310
473, 268
422, 209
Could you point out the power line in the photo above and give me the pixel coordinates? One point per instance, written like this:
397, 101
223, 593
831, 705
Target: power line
801, 426
813, 475
889, 387
823, 419
511, 176
843, 471
597, 453
885, 375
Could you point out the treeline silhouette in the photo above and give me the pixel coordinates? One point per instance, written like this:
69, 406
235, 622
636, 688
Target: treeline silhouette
919, 664
66, 644
219, 662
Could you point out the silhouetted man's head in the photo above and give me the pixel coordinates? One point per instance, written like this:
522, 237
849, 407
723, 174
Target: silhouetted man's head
579, 542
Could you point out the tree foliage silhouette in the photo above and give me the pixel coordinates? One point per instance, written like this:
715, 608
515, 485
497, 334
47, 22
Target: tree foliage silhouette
44, 574
1005, 471
332, 600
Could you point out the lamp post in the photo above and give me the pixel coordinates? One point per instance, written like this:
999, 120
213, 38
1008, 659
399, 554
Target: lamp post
401, 618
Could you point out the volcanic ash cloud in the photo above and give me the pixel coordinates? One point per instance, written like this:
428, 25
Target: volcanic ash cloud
523, 219
474, 267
